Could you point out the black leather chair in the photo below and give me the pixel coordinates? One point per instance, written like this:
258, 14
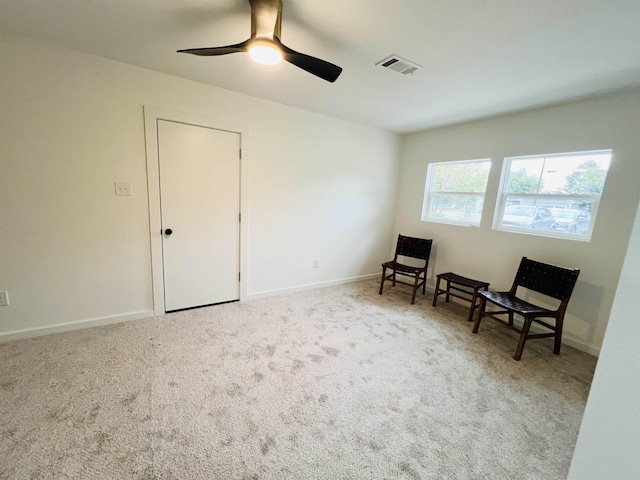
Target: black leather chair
550, 280
418, 248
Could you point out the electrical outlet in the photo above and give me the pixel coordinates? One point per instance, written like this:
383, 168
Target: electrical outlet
4, 299
316, 263
123, 188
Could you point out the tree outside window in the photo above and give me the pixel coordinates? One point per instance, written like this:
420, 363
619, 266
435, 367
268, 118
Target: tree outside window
455, 191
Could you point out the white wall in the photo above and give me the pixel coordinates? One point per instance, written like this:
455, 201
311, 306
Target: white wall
608, 442
71, 124
606, 122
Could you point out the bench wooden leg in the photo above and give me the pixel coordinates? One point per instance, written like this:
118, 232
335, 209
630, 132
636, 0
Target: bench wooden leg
436, 292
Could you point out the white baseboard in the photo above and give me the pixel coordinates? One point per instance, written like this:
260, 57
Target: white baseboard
567, 339
570, 340
68, 326
309, 286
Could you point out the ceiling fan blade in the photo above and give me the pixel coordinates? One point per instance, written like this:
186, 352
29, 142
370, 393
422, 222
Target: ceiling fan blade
320, 68
213, 51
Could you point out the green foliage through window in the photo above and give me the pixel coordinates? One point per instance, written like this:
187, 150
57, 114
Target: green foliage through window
455, 191
520, 182
587, 179
461, 177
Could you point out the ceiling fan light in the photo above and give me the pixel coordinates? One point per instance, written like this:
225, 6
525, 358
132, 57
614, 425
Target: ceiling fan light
265, 54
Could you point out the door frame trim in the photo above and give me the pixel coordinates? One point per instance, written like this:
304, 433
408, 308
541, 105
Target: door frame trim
151, 116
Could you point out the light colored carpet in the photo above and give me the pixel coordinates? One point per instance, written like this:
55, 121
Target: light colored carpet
334, 383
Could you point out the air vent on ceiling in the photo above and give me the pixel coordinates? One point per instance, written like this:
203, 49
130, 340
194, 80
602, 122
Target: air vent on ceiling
399, 64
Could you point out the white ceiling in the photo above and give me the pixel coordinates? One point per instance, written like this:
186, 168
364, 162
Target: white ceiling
480, 57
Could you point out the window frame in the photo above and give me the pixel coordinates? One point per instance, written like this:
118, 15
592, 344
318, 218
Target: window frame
503, 195
429, 193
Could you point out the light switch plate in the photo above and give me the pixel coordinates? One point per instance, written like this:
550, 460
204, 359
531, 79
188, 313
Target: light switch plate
123, 188
4, 299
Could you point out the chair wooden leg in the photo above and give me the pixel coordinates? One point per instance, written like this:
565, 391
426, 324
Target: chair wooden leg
415, 289
473, 304
424, 283
558, 337
523, 338
384, 272
481, 307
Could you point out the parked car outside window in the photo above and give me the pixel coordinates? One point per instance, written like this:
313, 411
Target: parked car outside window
571, 221
528, 216
563, 181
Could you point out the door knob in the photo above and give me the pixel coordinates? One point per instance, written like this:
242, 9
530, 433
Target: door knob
168, 232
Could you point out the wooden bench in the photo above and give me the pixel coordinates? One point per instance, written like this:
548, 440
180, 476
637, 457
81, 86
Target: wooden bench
454, 282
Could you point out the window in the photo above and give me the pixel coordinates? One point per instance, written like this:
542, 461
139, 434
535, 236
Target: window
454, 192
554, 195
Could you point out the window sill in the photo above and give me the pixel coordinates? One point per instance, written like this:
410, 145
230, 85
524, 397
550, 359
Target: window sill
546, 233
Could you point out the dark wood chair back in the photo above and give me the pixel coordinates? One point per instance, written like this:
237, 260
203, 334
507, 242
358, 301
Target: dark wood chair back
419, 248
550, 280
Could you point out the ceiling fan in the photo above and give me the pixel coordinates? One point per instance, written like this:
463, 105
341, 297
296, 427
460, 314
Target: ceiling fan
264, 45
